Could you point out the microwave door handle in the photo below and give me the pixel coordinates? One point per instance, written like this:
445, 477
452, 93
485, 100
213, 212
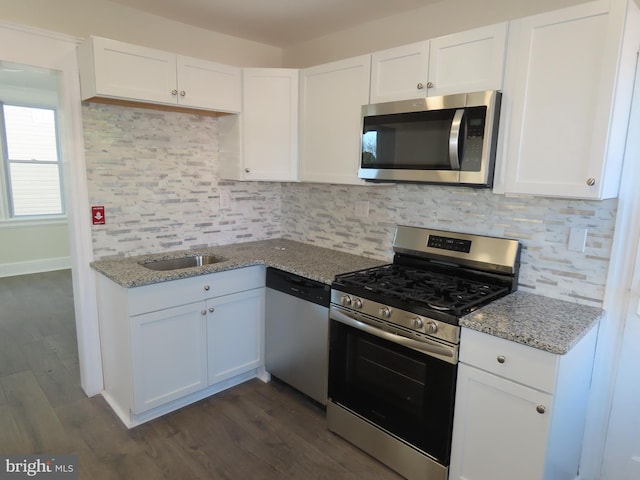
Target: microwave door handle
454, 139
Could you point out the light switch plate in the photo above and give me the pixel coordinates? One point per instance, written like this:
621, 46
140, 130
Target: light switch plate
225, 200
577, 239
362, 209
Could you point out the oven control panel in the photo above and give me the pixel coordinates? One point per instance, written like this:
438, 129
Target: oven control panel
401, 318
448, 243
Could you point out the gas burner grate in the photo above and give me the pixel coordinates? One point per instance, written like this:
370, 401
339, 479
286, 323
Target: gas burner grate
445, 292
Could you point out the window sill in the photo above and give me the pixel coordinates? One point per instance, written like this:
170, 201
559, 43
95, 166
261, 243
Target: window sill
34, 222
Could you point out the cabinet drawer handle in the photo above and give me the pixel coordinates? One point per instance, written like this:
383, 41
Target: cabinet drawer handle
207, 287
501, 359
541, 409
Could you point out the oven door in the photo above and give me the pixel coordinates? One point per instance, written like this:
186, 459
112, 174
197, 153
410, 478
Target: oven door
406, 392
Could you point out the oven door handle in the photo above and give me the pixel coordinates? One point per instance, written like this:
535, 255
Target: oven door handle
429, 347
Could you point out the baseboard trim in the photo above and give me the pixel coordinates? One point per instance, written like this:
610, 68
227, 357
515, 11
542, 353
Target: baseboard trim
34, 266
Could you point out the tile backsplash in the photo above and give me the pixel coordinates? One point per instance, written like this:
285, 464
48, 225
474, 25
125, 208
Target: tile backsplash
325, 215
156, 173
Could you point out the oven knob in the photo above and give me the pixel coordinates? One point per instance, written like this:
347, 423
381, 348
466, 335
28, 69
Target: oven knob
385, 312
357, 303
432, 327
345, 300
417, 323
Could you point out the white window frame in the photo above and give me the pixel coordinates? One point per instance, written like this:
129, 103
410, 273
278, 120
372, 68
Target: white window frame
5, 187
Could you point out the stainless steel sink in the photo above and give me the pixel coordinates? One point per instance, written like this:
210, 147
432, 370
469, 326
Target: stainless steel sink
183, 262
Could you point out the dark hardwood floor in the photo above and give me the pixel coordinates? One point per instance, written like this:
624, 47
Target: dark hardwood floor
253, 431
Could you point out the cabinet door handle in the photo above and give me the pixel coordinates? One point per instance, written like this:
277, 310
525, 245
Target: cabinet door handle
541, 409
207, 287
211, 309
591, 181
430, 84
501, 359
182, 93
174, 92
203, 312
247, 170
420, 86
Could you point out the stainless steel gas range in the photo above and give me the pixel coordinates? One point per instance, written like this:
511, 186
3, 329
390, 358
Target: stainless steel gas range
394, 342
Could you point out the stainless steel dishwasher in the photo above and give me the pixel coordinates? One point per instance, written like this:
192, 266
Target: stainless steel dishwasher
297, 332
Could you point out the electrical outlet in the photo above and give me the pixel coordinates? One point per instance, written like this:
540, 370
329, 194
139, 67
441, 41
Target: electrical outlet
362, 209
225, 201
577, 239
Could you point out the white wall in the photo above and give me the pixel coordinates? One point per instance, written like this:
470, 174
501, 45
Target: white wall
33, 248
82, 18
431, 21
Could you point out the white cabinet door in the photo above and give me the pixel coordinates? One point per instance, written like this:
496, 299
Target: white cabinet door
235, 332
270, 124
332, 96
561, 94
498, 432
115, 70
128, 71
399, 73
169, 355
469, 61
208, 85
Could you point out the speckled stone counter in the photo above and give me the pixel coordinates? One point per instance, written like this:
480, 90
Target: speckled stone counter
310, 261
540, 322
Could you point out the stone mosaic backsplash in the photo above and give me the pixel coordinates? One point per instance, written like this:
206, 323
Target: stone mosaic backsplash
156, 173
325, 215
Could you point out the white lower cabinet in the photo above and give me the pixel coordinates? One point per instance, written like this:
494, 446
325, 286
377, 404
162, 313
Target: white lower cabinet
234, 334
520, 412
169, 349
170, 344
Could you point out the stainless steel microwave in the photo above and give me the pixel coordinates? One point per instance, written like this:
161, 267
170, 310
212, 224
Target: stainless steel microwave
449, 140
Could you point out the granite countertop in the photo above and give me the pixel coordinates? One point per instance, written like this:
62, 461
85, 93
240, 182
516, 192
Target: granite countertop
310, 261
540, 322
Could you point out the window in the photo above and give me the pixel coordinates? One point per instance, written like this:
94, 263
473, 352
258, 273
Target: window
32, 166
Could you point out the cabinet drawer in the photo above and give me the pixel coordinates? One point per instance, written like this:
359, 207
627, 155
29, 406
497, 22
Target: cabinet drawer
158, 296
517, 362
237, 280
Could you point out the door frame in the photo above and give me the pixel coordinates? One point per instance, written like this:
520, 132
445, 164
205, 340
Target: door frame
53, 51
597, 437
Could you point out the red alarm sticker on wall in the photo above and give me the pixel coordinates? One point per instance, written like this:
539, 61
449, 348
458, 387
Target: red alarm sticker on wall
97, 214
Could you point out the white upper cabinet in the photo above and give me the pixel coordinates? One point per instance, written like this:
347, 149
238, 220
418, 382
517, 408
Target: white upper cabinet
567, 95
399, 73
208, 85
468, 61
118, 71
331, 97
262, 142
